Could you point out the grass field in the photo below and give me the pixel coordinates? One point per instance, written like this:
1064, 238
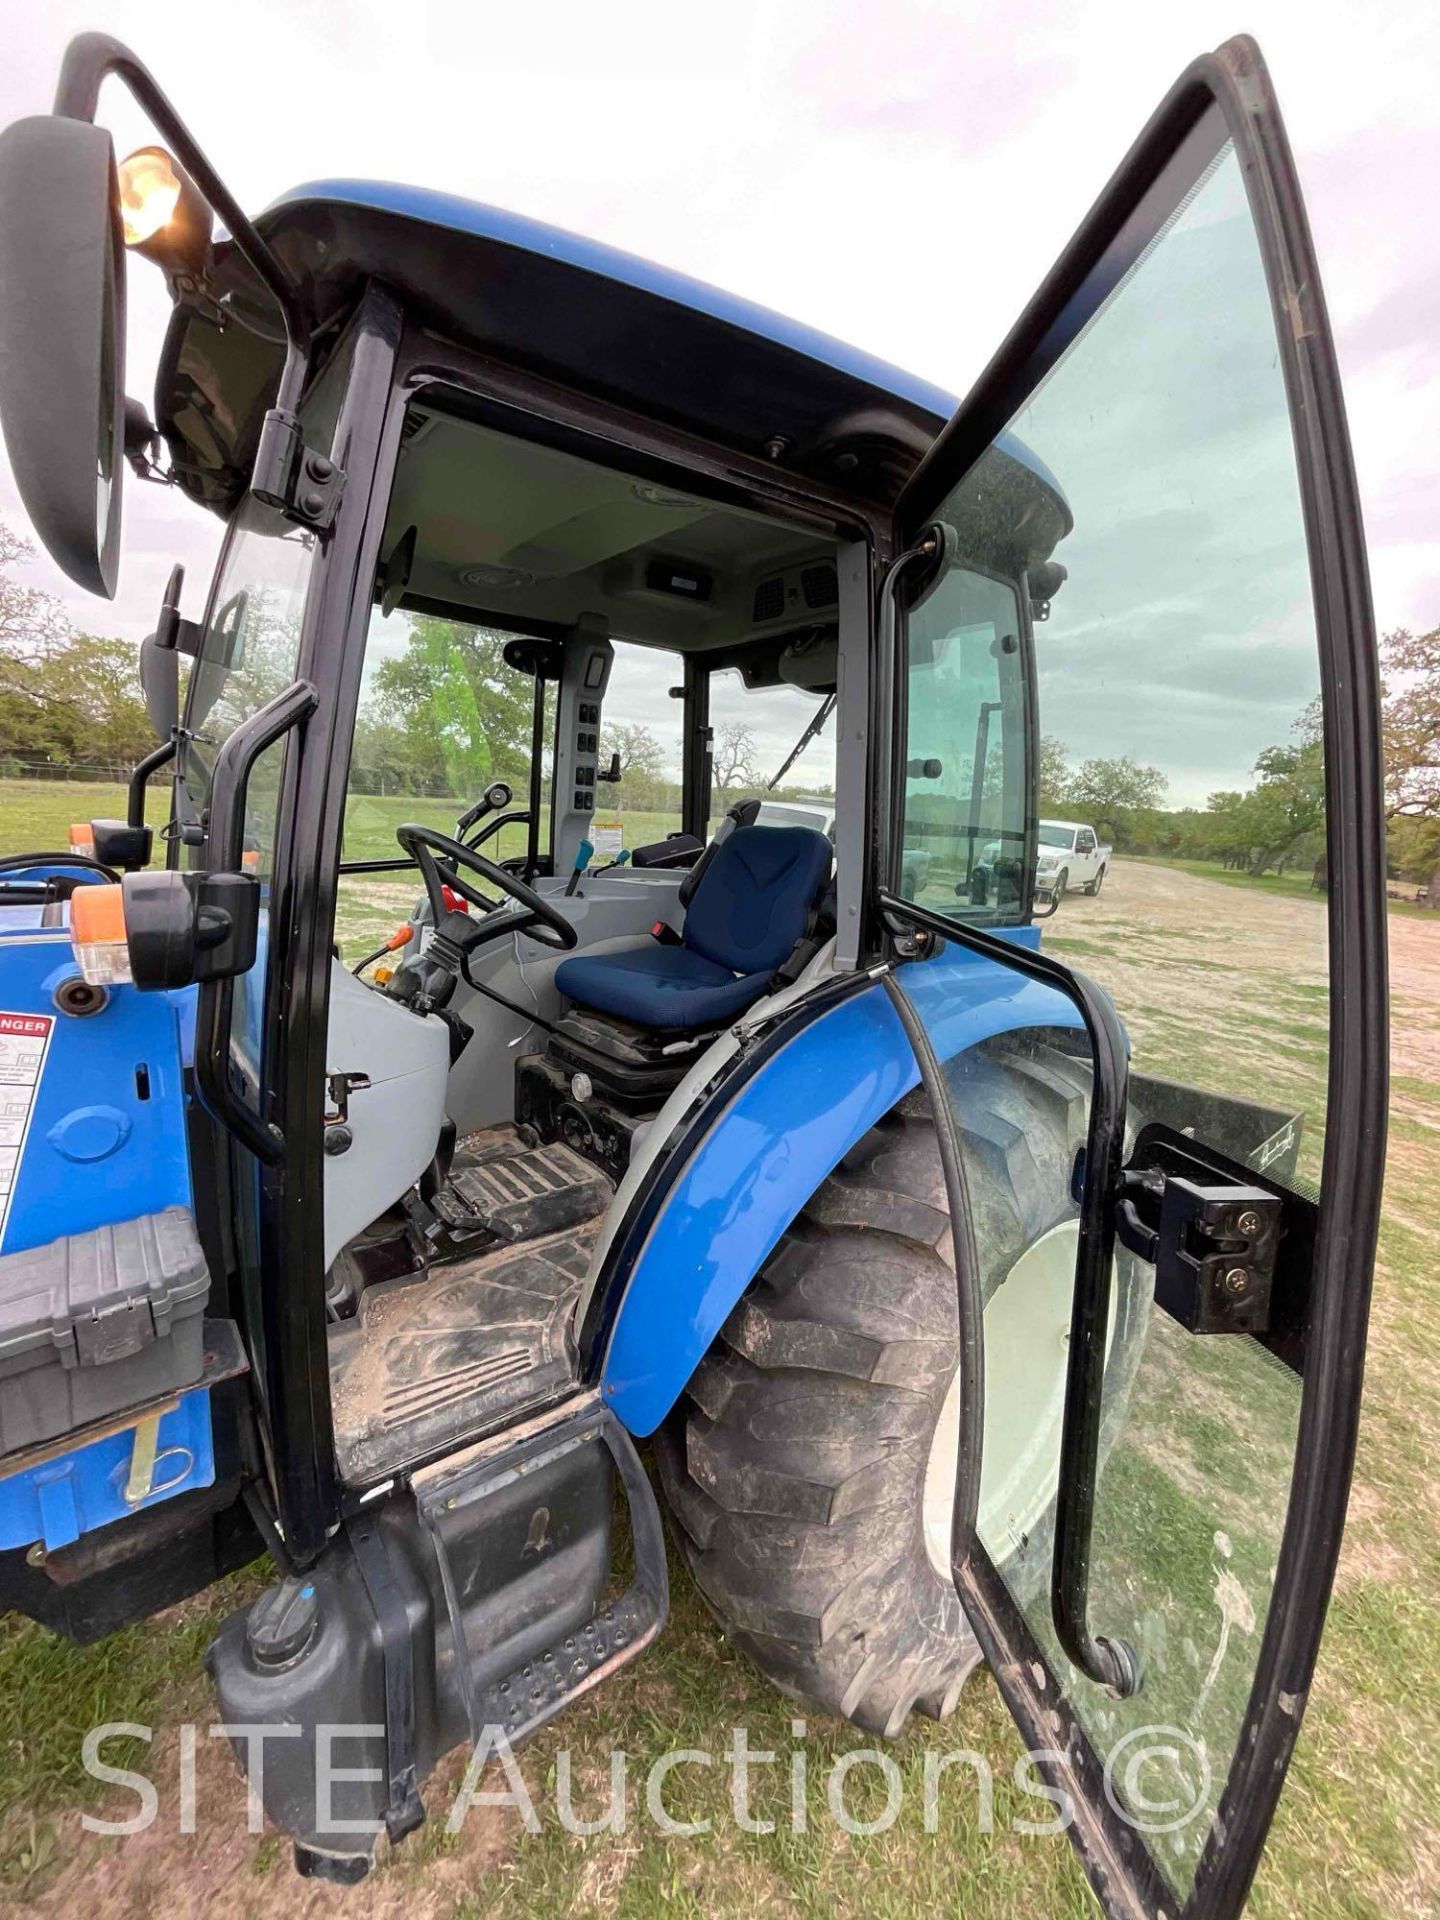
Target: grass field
37, 814
1358, 1835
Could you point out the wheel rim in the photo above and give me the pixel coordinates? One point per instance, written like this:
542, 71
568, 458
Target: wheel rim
1027, 1351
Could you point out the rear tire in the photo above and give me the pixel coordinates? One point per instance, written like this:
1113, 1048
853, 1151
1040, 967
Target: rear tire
1096, 884
795, 1465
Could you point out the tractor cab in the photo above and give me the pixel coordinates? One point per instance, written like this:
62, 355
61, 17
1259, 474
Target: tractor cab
589, 988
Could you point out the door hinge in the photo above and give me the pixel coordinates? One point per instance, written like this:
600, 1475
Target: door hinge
1212, 1242
301, 482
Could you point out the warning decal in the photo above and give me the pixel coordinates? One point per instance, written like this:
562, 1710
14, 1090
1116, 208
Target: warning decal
24, 1043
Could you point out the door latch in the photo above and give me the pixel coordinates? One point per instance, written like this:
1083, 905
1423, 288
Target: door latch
1213, 1245
339, 1087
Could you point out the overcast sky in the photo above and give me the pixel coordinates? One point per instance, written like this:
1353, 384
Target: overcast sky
794, 151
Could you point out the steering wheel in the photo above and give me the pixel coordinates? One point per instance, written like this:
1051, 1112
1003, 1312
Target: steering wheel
440, 859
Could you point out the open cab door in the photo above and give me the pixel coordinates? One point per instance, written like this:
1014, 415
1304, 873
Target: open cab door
1131, 593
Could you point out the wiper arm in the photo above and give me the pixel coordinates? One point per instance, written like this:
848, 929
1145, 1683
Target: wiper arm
827, 707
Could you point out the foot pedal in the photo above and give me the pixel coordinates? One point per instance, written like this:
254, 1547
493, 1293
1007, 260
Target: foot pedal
524, 1698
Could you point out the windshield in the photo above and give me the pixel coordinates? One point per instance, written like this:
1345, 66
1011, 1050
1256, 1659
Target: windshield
1051, 836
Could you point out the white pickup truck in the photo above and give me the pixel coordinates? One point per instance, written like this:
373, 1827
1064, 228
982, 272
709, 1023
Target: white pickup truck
1069, 856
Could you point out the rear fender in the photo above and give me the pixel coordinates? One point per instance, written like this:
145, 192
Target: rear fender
769, 1146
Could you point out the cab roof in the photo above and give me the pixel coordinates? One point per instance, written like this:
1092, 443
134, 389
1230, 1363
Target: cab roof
653, 341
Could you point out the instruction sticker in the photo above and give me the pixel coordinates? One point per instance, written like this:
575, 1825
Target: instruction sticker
24, 1043
607, 837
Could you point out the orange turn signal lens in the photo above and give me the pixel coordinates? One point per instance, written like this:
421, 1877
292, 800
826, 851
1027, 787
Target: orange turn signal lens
82, 839
97, 935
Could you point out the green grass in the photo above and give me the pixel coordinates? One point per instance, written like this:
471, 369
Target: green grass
35, 815
1357, 1834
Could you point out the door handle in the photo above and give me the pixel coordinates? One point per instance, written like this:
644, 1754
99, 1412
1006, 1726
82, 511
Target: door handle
215, 1005
1108, 1661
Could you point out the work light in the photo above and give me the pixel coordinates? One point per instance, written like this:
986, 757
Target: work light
162, 214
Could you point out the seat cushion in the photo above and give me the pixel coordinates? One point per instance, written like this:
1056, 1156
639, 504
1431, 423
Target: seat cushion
666, 988
754, 898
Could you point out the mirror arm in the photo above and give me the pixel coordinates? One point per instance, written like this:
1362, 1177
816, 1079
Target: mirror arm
300, 483
152, 763
91, 58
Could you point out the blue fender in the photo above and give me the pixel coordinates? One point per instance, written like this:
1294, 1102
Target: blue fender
790, 1124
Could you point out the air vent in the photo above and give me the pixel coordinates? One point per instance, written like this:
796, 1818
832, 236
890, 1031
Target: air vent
819, 586
769, 600
417, 425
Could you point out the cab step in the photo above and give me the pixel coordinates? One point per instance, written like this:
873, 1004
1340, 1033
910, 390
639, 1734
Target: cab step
520, 1696
476, 1602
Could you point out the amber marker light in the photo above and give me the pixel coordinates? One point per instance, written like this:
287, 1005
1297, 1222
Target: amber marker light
97, 935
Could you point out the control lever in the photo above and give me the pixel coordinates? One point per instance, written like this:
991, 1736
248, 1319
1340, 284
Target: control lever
583, 856
495, 796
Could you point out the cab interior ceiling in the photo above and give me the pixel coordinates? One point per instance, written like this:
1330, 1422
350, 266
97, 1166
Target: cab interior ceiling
665, 362
516, 534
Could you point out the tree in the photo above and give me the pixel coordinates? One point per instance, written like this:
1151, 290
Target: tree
1281, 819
64, 696
642, 766
733, 764
1054, 775
1412, 723
1119, 798
640, 753
462, 716
31, 620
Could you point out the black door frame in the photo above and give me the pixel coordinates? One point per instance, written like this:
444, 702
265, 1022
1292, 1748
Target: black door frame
295, 1410
1118, 1864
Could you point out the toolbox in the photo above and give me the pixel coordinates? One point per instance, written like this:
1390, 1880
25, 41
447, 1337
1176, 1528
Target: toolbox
95, 1322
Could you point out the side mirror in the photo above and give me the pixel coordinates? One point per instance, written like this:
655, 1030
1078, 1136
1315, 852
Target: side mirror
160, 684
62, 339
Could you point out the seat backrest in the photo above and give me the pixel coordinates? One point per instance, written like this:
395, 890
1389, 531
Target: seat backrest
742, 814
755, 897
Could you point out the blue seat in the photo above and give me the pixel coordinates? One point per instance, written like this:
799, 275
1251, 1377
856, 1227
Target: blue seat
750, 907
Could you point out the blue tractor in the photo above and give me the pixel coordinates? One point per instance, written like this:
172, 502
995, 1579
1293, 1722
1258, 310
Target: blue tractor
372, 1207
